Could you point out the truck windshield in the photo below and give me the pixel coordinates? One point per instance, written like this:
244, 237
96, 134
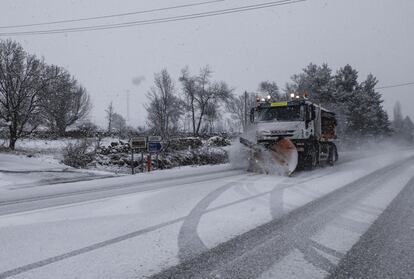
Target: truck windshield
288, 113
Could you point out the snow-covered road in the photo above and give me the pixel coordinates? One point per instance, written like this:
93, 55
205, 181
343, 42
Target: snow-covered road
197, 222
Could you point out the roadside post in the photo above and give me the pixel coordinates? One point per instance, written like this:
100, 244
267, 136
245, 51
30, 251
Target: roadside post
149, 163
154, 146
138, 144
132, 162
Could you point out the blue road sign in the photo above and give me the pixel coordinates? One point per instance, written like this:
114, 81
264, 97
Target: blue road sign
154, 147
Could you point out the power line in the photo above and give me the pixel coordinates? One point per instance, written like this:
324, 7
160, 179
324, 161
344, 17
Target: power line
111, 15
154, 21
395, 85
157, 20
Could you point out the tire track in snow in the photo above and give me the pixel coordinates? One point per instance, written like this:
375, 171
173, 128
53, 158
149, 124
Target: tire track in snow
55, 181
254, 252
113, 190
67, 170
35, 199
96, 246
189, 242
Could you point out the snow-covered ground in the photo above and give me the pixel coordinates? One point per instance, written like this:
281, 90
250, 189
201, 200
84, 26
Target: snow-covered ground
116, 160
50, 148
21, 171
135, 226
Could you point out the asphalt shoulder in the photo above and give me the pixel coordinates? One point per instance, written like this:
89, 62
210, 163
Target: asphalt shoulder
386, 250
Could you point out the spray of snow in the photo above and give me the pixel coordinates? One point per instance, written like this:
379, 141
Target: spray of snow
242, 157
239, 155
372, 147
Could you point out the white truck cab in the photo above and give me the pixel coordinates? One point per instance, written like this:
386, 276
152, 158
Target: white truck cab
310, 127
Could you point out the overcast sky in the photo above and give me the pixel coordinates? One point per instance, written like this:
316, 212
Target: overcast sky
374, 36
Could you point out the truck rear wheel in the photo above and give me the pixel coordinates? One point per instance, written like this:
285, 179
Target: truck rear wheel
333, 155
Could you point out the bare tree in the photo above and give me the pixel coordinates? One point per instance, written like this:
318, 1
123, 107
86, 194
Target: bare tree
212, 114
21, 84
118, 124
190, 88
201, 93
270, 88
240, 106
64, 101
110, 116
165, 108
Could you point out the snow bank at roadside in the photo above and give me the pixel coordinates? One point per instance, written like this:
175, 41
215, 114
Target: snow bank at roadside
17, 171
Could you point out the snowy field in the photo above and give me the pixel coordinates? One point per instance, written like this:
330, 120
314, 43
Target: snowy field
137, 226
21, 171
49, 146
50, 151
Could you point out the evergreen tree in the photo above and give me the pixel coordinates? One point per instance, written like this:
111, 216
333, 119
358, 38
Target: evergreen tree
398, 118
408, 128
357, 105
360, 106
316, 82
403, 128
408, 124
374, 119
346, 84
346, 95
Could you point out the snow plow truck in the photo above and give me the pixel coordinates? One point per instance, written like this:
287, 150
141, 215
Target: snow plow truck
291, 135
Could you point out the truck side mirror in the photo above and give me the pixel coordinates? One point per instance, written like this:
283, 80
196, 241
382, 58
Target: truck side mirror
252, 115
307, 117
313, 113
309, 114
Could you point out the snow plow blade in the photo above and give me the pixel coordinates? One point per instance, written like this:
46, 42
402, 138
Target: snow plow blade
285, 152
282, 154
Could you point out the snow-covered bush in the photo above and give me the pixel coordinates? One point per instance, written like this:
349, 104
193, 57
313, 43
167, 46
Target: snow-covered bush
114, 147
218, 141
184, 143
200, 156
186, 151
78, 155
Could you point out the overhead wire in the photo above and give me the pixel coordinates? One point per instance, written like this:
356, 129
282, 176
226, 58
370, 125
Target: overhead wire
111, 15
157, 20
395, 85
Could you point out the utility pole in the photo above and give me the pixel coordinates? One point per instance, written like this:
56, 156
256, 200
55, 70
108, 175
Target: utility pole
127, 106
245, 111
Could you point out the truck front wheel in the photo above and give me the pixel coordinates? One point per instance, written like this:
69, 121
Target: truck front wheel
311, 158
